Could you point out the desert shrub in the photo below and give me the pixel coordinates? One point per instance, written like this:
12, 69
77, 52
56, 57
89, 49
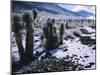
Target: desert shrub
51, 64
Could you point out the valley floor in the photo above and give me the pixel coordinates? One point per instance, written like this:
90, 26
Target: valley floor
84, 54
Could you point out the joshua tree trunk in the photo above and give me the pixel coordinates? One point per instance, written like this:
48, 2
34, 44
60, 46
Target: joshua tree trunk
29, 41
20, 46
61, 33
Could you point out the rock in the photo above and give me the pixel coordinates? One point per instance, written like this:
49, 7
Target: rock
69, 36
13, 42
77, 34
36, 35
94, 48
93, 27
87, 40
77, 59
84, 31
91, 63
36, 40
65, 50
74, 55
86, 56
81, 57
78, 48
83, 60
91, 52
88, 66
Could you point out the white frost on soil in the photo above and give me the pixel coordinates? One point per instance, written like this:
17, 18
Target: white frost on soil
76, 49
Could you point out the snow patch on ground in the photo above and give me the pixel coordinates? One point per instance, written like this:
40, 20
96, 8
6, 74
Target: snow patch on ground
78, 51
81, 53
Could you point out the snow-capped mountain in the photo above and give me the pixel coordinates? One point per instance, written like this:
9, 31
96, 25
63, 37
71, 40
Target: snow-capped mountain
85, 13
48, 7
53, 8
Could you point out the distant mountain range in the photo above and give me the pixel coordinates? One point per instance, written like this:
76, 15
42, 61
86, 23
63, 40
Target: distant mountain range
53, 8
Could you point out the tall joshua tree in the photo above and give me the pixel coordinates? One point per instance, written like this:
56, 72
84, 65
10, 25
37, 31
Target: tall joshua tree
61, 33
16, 29
28, 19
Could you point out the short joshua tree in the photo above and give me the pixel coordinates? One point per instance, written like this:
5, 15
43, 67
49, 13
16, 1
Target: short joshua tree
61, 33
50, 35
66, 25
16, 25
35, 13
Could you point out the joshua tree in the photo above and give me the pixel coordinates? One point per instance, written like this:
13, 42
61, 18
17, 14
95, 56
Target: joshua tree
50, 35
28, 19
35, 13
16, 29
66, 25
61, 33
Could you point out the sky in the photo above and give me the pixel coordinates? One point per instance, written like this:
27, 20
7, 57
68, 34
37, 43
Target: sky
78, 7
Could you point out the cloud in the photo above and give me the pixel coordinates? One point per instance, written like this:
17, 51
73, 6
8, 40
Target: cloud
91, 17
86, 8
